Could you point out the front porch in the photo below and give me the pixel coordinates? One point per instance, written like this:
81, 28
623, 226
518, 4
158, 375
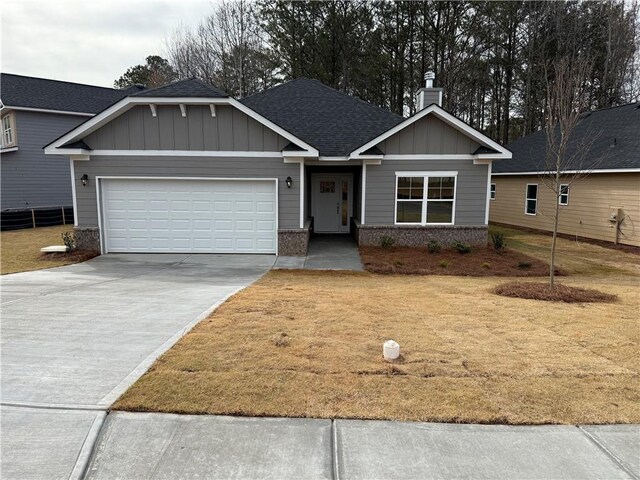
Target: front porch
325, 252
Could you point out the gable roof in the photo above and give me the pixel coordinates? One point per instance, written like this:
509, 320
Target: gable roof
617, 144
189, 88
41, 93
331, 121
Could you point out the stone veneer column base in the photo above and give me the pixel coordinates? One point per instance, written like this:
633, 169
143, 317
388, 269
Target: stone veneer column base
87, 238
419, 236
294, 242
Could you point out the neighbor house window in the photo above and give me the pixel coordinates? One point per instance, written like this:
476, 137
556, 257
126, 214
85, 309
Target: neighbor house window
425, 198
493, 191
531, 201
563, 198
8, 130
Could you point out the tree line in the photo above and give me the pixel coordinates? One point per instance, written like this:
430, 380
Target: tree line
491, 58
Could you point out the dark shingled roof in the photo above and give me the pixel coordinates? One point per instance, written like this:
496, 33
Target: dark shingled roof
31, 92
191, 87
617, 145
332, 122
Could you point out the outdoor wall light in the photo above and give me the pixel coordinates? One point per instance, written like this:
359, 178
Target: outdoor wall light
289, 182
84, 179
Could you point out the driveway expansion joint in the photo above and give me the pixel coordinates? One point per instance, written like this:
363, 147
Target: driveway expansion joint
610, 454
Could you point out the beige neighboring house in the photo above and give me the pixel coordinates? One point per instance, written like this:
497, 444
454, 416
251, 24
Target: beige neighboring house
605, 205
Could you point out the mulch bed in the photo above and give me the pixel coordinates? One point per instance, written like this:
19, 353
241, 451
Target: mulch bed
74, 256
480, 262
561, 293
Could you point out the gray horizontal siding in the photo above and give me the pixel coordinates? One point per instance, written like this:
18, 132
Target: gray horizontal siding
428, 135
229, 130
288, 198
471, 190
29, 177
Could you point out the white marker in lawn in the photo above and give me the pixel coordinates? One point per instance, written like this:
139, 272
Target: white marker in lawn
390, 350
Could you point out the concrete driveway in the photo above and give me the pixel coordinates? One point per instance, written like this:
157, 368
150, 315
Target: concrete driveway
75, 338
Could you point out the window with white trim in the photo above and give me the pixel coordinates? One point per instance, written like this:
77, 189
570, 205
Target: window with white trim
425, 199
531, 199
8, 130
563, 197
492, 194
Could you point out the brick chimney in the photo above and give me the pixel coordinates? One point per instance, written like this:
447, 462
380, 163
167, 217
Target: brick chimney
429, 94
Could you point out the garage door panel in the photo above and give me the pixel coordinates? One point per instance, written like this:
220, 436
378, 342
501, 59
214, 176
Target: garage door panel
214, 216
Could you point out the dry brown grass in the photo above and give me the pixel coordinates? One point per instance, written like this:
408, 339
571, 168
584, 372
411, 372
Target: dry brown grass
468, 355
560, 293
20, 249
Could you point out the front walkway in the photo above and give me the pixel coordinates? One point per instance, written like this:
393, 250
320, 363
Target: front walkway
326, 252
155, 445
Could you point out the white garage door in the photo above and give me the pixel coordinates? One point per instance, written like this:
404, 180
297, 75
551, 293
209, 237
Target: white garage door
199, 216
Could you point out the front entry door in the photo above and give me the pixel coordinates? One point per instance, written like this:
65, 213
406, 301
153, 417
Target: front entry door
332, 198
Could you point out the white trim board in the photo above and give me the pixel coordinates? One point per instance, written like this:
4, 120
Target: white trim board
590, 172
177, 153
45, 110
425, 201
127, 103
100, 205
447, 118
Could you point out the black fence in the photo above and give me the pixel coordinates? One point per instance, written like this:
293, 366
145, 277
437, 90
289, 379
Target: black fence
36, 217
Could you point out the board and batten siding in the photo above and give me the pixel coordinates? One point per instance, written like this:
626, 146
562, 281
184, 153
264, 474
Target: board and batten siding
428, 135
591, 201
31, 179
471, 189
205, 167
229, 130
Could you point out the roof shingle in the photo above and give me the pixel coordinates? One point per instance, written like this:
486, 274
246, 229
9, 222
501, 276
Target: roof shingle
192, 87
617, 145
32, 92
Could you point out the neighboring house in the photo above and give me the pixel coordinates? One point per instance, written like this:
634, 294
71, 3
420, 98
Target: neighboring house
186, 168
604, 205
34, 112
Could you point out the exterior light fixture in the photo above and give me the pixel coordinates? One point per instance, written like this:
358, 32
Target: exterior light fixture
84, 179
289, 182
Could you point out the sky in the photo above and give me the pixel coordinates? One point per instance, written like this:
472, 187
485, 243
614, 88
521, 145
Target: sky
89, 41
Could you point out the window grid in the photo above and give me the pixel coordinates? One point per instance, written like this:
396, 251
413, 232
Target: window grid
418, 209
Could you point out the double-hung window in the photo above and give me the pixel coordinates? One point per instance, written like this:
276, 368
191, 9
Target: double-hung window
531, 199
492, 195
563, 197
8, 131
425, 198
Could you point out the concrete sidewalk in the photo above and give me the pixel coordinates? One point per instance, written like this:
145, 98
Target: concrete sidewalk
152, 445
326, 252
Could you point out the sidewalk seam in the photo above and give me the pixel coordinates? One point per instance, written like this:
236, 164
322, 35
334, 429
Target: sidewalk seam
86, 451
334, 450
607, 452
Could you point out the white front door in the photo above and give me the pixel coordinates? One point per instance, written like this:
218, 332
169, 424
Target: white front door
189, 216
332, 199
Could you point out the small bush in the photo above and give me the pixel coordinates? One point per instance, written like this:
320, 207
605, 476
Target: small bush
486, 265
444, 263
433, 246
280, 340
498, 241
524, 265
387, 242
69, 239
462, 247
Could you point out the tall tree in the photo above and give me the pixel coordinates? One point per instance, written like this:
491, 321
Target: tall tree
155, 72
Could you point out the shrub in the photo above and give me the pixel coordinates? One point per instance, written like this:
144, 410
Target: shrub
498, 241
387, 241
444, 263
433, 246
524, 265
69, 239
486, 265
462, 247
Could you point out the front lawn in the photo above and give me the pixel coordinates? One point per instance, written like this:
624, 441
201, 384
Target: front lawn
20, 249
467, 355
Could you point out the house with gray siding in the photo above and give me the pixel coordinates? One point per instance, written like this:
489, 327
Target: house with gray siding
187, 168
34, 112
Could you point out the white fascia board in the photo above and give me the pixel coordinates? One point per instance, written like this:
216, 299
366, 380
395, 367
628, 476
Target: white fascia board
444, 116
183, 153
45, 110
590, 172
311, 151
128, 102
67, 151
333, 159
435, 173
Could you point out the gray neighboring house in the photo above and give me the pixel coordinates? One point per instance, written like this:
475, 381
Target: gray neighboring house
34, 112
187, 168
